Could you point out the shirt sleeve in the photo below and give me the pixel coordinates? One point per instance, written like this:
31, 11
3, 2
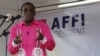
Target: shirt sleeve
12, 47
48, 40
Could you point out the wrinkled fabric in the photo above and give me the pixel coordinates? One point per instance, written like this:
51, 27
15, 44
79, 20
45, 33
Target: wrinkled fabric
29, 36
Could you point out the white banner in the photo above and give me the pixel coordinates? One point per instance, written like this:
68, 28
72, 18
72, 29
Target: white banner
76, 30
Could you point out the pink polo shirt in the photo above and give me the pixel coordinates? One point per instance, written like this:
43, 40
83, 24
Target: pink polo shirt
28, 38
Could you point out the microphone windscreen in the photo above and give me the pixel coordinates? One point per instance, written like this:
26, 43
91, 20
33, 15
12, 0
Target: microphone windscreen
9, 17
18, 16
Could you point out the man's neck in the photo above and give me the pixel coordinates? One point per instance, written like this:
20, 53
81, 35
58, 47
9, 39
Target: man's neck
28, 22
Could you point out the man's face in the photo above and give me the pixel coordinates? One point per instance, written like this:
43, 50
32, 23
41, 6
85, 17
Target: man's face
28, 12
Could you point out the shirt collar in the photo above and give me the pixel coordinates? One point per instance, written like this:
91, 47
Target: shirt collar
33, 22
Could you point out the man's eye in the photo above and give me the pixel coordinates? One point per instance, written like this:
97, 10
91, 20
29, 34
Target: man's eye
25, 10
31, 10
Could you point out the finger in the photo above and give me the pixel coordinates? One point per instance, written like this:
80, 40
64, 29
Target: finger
20, 41
17, 41
38, 31
40, 37
19, 36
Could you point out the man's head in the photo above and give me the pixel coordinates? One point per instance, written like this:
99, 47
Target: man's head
28, 11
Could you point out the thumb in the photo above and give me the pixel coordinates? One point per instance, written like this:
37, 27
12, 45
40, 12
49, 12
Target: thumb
18, 37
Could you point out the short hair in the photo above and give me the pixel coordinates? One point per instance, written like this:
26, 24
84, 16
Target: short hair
26, 4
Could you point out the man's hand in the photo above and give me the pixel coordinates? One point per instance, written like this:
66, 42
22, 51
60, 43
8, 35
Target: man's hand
40, 35
17, 39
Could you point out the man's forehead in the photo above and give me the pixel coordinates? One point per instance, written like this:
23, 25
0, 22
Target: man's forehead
28, 5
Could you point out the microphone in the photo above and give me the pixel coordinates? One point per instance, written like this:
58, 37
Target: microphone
2, 16
9, 17
12, 18
17, 17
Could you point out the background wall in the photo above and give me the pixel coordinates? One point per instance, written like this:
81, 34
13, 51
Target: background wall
80, 40
92, 11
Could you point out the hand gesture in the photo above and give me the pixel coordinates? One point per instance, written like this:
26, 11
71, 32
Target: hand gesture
17, 39
40, 35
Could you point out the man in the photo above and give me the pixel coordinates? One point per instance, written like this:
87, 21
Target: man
29, 34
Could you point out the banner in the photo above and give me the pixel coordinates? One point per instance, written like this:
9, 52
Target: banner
76, 30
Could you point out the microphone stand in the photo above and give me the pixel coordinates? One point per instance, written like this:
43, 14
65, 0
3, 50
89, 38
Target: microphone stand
1, 16
5, 33
2, 22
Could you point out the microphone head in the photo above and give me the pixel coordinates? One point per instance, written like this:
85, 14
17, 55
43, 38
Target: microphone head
18, 16
9, 17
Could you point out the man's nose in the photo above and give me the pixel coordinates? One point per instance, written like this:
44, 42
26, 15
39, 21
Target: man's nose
29, 11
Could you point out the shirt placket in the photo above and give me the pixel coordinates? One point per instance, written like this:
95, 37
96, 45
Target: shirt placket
28, 33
